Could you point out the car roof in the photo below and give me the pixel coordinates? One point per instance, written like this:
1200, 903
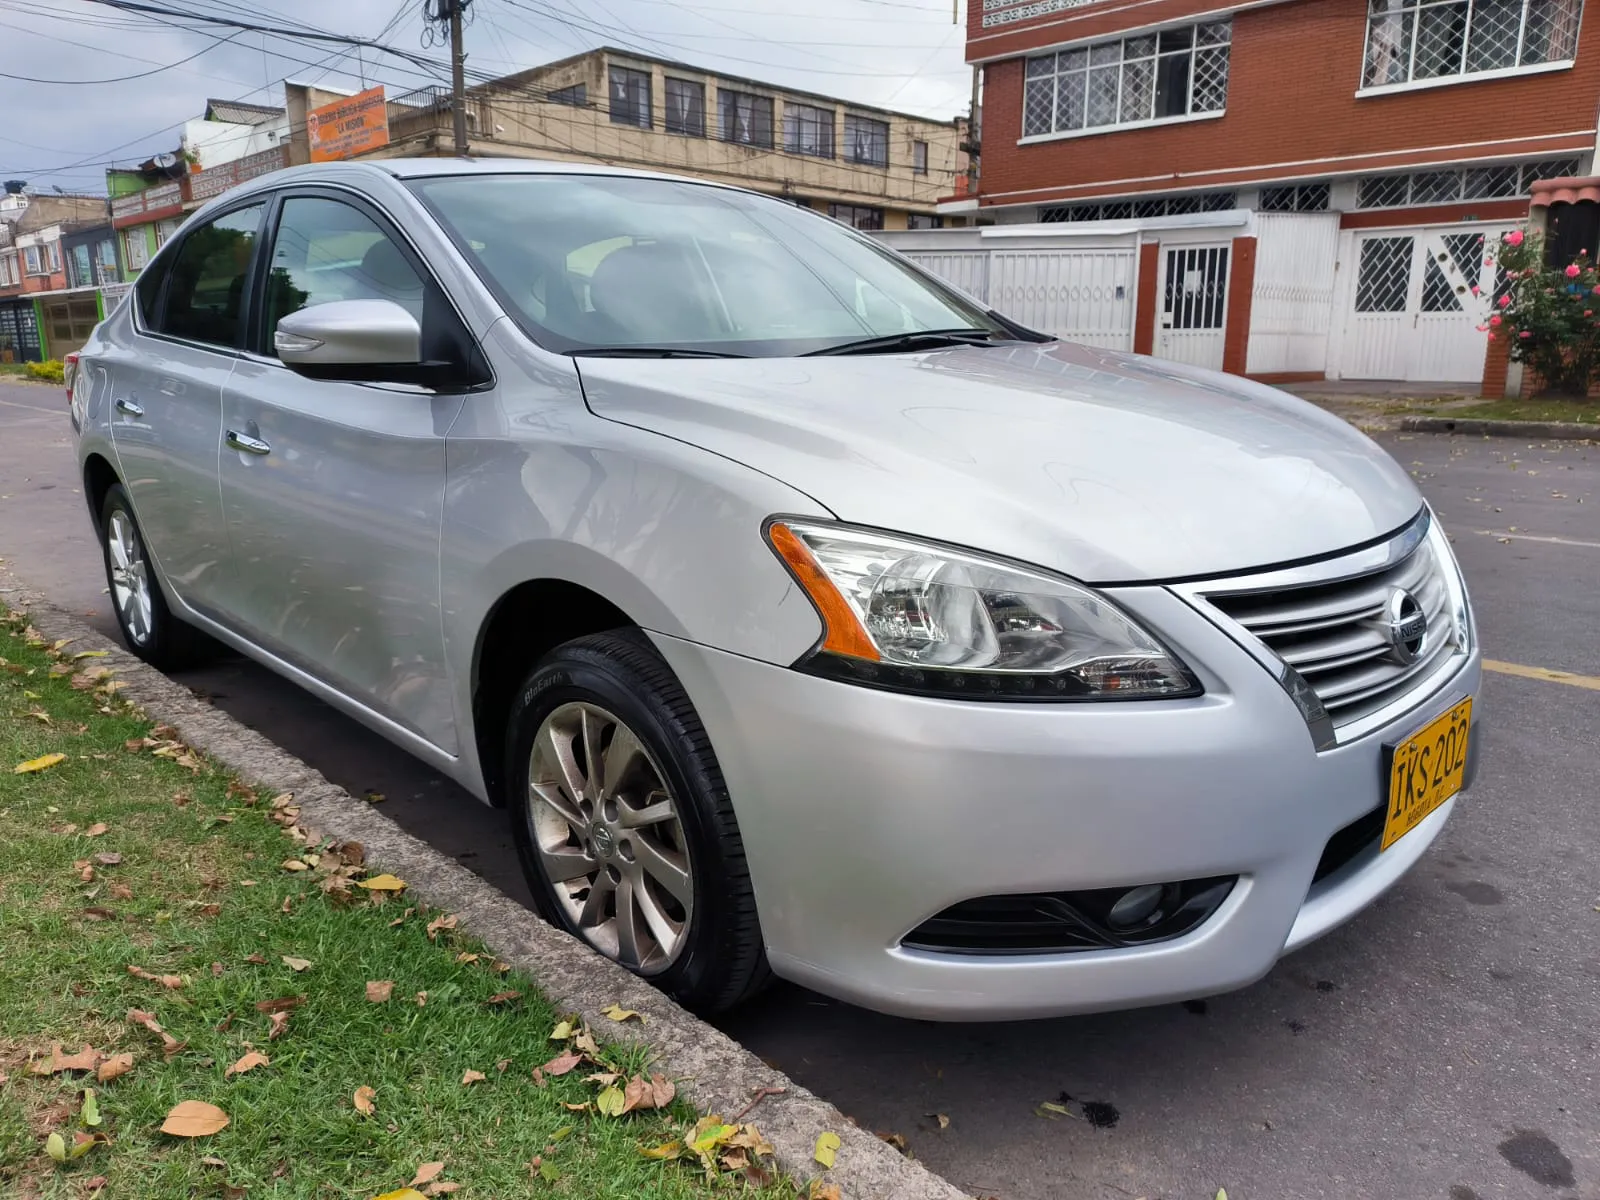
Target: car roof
419, 168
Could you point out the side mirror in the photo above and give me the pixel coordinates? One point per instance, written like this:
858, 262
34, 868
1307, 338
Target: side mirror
372, 341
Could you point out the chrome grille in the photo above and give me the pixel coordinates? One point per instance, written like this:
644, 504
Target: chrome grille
1335, 633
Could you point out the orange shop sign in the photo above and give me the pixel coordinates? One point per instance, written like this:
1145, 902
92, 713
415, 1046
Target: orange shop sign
349, 127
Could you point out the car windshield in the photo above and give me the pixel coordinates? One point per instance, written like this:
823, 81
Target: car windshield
598, 263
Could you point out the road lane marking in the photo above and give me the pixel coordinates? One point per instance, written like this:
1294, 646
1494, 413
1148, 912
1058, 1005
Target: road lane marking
1544, 674
1530, 537
29, 407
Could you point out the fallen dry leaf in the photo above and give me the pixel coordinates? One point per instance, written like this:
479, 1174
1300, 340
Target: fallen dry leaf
209, 910
278, 1027
826, 1148
583, 1107
294, 864
442, 1188
194, 1118
503, 997
379, 990
85, 870
383, 883
363, 1100
563, 1063
400, 920
121, 891
296, 964
98, 913
43, 763
642, 1094
440, 924
98, 829
248, 1063
86, 1059
211, 1160
427, 1173
166, 981
465, 957
472, 1077
619, 1014
942, 1118
260, 960
117, 1064
284, 907
282, 1004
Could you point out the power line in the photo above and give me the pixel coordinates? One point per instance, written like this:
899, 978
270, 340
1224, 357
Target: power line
215, 42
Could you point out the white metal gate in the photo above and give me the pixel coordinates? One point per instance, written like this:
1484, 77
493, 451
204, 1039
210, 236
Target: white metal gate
1414, 314
1291, 302
1194, 305
1084, 293
1080, 295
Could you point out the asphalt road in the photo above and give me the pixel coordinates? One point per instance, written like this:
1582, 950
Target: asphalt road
1444, 1044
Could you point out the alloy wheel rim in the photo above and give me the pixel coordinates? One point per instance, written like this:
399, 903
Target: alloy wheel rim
609, 837
130, 577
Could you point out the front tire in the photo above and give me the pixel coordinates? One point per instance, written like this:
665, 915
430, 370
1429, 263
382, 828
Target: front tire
624, 825
147, 624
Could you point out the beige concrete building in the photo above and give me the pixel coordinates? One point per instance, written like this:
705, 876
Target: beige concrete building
871, 167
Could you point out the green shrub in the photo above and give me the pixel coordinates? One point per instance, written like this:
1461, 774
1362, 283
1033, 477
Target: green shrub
52, 371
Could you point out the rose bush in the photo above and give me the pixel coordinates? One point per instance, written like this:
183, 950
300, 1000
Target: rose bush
1546, 313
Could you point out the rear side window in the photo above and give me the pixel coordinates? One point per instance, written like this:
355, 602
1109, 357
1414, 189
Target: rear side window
327, 250
208, 278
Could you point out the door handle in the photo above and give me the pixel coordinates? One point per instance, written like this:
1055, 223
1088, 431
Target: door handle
129, 406
250, 445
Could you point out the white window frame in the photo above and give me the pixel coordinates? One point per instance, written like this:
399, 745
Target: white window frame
1411, 83
33, 260
135, 248
864, 131
1089, 48
53, 256
9, 276
919, 157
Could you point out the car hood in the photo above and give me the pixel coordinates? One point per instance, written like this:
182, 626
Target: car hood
1105, 466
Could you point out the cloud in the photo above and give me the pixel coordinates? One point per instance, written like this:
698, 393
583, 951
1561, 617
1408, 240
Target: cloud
903, 54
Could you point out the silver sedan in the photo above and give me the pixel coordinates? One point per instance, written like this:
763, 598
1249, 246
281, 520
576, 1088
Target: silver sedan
806, 617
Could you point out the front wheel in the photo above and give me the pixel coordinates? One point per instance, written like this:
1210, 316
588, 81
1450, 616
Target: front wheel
624, 825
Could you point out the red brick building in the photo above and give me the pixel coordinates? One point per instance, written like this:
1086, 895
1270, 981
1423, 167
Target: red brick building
1285, 157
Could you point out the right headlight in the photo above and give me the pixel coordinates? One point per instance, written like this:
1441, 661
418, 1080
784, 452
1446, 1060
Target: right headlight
916, 616
1457, 606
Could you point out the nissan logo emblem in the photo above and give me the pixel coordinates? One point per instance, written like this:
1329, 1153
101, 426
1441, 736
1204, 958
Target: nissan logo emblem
1405, 626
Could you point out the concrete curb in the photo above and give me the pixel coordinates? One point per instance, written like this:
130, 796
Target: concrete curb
1538, 430
713, 1072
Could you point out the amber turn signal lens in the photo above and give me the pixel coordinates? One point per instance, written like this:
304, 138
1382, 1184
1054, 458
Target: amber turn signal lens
843, 632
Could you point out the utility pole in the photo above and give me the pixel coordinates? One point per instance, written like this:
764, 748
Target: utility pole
445, 19
458, 76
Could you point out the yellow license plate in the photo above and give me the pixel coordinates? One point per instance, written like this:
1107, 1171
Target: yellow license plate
1427, 769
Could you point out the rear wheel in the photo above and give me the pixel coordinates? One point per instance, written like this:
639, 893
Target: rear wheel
624, 825
147, 624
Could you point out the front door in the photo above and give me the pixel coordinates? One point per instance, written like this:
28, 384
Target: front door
333, 492
1194, 305
1415, 314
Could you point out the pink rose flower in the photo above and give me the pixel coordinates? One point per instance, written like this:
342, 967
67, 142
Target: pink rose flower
1574, 271
1524, 334
1588, 312
1514, 238
1491, 337
1495, 320
1504, 301
1475, 290
1483, 329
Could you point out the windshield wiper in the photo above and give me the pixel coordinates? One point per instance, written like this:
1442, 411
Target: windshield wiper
927, 339
649, 352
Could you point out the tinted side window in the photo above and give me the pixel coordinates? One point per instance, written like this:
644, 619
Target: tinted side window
148, 289
327, 250
206, 292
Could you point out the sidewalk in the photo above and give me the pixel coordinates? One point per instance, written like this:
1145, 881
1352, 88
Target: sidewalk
1377, 406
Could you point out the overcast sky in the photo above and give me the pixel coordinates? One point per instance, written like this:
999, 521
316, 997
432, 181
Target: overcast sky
904, 54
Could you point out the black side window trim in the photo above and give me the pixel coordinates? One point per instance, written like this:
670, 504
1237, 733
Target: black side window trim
167, 256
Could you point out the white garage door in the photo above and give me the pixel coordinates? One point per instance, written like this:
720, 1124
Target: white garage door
1081, 295
1414, 316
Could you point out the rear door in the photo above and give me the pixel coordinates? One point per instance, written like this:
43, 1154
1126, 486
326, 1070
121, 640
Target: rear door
333, 491
166, 397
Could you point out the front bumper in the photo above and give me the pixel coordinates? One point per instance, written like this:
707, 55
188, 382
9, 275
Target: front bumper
864, 813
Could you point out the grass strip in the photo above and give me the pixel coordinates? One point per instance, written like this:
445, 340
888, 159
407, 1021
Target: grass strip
141, 886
